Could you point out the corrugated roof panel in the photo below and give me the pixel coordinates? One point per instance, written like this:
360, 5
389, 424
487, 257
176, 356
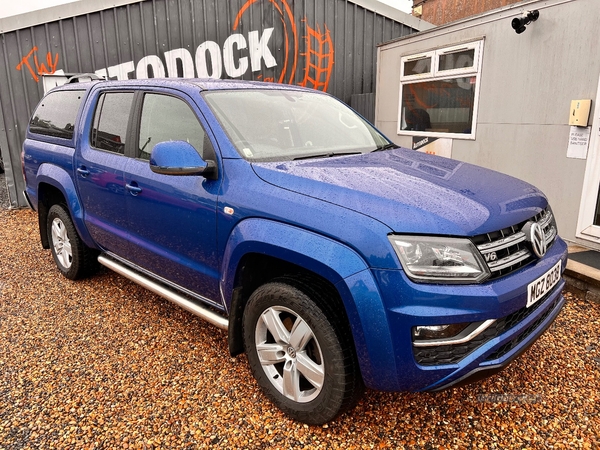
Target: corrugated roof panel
329, 46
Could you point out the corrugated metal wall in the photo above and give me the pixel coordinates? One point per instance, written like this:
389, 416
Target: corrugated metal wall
326, 44
365, 103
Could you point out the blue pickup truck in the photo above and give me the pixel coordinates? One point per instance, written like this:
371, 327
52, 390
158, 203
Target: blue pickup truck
335, 259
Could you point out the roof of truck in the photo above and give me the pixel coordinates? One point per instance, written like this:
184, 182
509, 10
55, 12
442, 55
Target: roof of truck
205, 84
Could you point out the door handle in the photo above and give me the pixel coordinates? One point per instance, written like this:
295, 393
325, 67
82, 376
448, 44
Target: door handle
83, 171
134, 190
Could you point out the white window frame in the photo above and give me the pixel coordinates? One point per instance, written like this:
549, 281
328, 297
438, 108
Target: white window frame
591, 182
437, 74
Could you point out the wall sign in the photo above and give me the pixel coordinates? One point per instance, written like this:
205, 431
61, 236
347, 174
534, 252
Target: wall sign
432, 145
579, 141
244, 50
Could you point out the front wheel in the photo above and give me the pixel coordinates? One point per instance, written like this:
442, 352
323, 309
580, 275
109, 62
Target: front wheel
300, 357
73, 258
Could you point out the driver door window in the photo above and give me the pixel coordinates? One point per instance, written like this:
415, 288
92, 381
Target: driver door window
166, 118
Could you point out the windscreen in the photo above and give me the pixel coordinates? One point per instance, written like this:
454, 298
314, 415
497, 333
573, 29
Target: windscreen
274, 125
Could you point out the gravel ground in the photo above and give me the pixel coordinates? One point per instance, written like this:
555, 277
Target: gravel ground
4, 203
102, 363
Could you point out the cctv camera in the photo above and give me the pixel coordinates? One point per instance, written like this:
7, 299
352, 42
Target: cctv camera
518, 23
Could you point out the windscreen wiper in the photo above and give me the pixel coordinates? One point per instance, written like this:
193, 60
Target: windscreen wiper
386, 147
327, 155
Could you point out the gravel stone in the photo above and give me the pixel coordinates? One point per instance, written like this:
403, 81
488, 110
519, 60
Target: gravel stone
4, 202
103, 363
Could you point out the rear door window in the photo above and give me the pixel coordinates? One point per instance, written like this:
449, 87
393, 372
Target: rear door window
56, 114
110, 121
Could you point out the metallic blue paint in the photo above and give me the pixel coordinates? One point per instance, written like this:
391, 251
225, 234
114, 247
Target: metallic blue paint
477, 360
176, 156
412, 192
373, 335
100, 184
249, 196
410, 304
331, 216
53, 175
319, 254
173, 228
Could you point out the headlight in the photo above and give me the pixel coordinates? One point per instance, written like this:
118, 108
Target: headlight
430, 259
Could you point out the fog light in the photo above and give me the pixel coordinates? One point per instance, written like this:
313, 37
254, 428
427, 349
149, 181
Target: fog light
454, 334
438, 331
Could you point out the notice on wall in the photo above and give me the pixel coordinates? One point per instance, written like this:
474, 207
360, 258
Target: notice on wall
433, 146
579, 141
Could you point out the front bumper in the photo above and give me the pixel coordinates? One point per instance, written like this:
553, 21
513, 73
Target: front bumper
516, 327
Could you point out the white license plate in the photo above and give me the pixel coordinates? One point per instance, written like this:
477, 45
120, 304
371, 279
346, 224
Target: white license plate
543, 284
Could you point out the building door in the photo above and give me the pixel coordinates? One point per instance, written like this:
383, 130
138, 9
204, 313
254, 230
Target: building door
588, 224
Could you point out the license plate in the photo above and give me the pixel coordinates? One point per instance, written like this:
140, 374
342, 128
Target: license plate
543, 284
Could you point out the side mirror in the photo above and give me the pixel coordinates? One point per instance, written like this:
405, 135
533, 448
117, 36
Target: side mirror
180, 158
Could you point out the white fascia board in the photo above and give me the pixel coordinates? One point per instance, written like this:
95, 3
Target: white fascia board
81, 7
493, 15
58, 12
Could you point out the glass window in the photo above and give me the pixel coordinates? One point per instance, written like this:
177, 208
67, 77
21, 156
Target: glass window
442, 102
166, 118
56, 114
417, 66
281, 124
110, 121
457, 60
443, 106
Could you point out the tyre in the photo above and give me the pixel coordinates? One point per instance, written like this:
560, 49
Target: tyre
302, 358
73, 258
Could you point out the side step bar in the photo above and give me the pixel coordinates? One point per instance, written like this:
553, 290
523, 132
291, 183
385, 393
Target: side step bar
200, 311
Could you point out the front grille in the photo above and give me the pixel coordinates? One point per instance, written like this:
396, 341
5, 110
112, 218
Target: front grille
450, 354
506, 250
521, 337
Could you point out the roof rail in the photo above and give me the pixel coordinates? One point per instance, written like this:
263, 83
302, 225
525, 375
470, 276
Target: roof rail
91, 77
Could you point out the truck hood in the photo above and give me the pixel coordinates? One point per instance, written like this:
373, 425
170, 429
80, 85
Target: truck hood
412, 192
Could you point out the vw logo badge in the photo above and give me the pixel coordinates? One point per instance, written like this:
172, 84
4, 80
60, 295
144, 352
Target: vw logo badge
536, 237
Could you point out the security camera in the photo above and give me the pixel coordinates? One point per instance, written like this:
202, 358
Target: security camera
518, 23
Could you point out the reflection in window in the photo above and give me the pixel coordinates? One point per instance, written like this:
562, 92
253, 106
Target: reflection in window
279, 125
166, 118
110, 121
457, 60
439, 98
444, 106
417, 66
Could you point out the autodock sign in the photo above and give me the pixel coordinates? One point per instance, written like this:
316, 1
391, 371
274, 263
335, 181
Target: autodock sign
238, 54
432, 145
326, 45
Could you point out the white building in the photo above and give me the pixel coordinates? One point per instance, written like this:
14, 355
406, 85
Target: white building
488, 95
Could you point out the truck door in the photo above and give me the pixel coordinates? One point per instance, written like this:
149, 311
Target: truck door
173, 218
99, 168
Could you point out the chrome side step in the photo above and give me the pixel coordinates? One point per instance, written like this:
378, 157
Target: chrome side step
200, 311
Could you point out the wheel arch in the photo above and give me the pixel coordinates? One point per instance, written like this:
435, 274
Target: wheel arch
55, 185
254, 270
261, 250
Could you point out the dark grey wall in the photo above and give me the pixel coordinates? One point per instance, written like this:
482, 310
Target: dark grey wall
326, 44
